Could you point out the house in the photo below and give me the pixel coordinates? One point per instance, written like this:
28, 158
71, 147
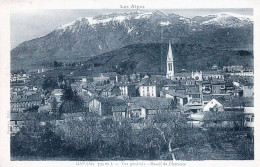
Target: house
208, 97
135, 77
227, 119
57, 93
100, 78
103, 106
86, 99
45, 108
229, 88
249, 113
19, 120
179, 98
218, 87
193, 107
233, 104
148, 88
20, 103
211, 75
232, 68
193, 92
127, 89
119, 112
213, 119
213, 105
111, 77
100, 106
248, 90
110, 90
206, 87
195, 119
143, 107
16, 122
92, 90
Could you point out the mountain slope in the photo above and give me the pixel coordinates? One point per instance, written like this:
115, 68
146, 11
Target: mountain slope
152, 58
88, 37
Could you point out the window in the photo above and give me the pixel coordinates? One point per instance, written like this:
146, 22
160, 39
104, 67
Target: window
170, 66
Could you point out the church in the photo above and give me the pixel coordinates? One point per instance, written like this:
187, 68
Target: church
197, 75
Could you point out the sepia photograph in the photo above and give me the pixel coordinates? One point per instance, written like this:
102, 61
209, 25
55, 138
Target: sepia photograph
132, 84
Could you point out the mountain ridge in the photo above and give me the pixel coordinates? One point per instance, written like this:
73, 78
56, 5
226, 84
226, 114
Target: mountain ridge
85, 38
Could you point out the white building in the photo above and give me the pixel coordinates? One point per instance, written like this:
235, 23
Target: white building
213, 105
148, 88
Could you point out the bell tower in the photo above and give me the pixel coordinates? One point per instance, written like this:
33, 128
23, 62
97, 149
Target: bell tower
170, 65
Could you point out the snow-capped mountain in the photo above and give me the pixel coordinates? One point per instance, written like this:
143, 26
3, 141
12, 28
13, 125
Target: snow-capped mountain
88, 37
228, 20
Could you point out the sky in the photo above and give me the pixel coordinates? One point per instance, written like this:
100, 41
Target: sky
31, 24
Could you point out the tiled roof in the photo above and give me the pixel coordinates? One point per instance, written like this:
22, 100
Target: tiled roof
31, 116
173, 93
151, 103
146, 81
110, 101
193, 90
183, 74
24, 98
212, 73
121, 108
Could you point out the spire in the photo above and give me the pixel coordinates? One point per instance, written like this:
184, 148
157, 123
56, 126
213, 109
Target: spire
170, 63
170, 55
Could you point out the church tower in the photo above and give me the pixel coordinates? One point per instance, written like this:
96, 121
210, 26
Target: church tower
170, 65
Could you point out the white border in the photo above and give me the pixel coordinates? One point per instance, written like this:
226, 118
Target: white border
14, 5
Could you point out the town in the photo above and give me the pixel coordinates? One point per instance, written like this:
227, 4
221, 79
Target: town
178, 115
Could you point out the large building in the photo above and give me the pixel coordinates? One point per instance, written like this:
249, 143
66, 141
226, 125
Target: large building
148, 88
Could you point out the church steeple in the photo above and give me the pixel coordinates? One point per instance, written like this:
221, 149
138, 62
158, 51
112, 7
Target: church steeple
170, 64
170, 55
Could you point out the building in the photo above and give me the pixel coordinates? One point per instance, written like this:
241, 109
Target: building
170, 64
57, 93
142, 107
248, 90
218, 87
110, 90
249, 114
228, 119
127, 89
232, 68
119, 112
193, 93
103, 106
178, 98
148, 88
99, 106
23, 102
213, 75
213, 105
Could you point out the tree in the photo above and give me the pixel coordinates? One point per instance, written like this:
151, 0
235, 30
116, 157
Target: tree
173, 129
61, 78
54, 105
49, 84
71, 101
80, 134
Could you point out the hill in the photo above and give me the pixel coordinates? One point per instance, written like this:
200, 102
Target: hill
151, 58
